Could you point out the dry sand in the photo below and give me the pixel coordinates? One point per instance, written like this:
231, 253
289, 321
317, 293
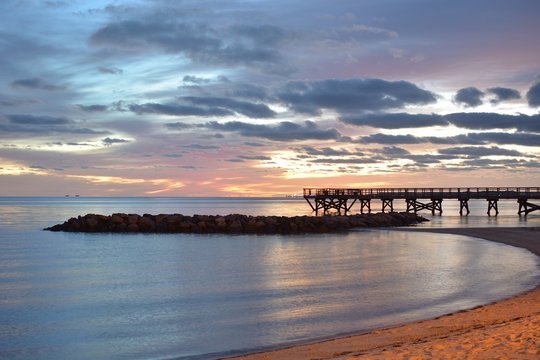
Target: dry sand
507, 329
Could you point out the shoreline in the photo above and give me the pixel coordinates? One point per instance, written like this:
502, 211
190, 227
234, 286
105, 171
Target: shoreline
509, 327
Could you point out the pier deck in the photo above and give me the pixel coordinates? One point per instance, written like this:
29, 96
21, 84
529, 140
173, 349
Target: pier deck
342, 200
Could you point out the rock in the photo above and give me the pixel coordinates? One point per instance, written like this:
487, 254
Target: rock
133, 219
117, 219
235, 227
147, 224
233, 223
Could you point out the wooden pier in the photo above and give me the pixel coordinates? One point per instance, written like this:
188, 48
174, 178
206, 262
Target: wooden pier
418, 199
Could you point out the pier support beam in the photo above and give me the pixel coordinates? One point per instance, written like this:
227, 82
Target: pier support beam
365, 204
492, 205
387, 203
435, 205
464, 205
525, 207
328, 203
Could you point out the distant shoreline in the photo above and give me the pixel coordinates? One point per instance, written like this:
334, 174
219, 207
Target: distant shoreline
509, 327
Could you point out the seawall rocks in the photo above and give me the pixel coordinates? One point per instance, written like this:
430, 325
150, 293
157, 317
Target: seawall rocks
231, 224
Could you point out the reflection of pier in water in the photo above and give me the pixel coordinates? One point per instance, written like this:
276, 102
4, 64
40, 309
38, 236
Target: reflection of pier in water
342, 200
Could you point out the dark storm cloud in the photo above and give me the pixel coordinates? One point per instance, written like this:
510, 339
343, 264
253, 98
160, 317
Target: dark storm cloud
479, 151
35, 83
251, 110
179, 110
110, 70
110, 141
503, 94
92, 108
474, 121
239, 45
470, 97
395, 121
283, 131
353, 95
533, 95
37, 120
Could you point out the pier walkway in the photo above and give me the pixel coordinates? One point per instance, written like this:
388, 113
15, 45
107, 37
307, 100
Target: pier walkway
342, 200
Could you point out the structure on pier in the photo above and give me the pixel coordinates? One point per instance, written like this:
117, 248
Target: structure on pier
417, 199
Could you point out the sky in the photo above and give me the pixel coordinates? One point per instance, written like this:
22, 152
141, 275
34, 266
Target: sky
264, 98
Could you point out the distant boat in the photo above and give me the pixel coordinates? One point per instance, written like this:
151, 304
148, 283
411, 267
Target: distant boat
66, 195
77, 195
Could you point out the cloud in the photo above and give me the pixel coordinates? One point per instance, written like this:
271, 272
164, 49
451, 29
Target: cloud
251, 110
470, 97
254, 157
500, 138
179, 110
37, 120
533, 95
200, 147
35, 83
372, 30
393, 151
39, 125
11, 101
110, 141
206, 106
478, 151
326, 151
179, 126
110, 70
267, 35
250, 91
253, 144
353, 95
474, 121
489, 121
200, 43
503, 94
92, 108
283, 131
395, 121
195, 80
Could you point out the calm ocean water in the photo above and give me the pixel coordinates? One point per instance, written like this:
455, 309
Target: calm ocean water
134, 296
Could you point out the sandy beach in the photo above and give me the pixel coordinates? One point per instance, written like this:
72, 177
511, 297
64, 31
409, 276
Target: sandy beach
507, 329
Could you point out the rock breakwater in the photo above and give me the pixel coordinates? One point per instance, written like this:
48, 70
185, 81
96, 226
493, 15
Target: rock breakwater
231, 224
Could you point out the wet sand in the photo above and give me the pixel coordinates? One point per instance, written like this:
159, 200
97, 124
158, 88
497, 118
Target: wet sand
505, 329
